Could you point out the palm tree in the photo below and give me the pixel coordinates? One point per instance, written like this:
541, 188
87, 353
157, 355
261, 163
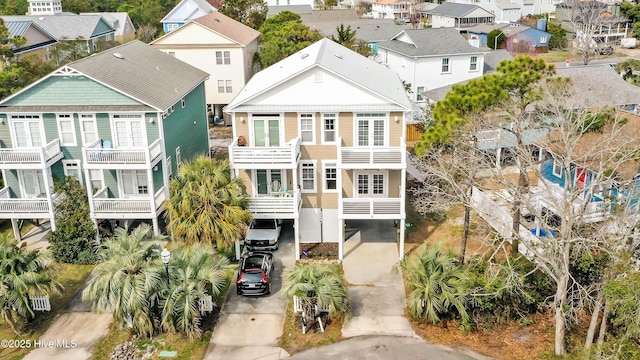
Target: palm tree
23, 273
196, 272
129, 279
319, 284
437, 284
206, 205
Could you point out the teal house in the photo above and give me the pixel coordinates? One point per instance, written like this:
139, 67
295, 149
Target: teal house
121, 121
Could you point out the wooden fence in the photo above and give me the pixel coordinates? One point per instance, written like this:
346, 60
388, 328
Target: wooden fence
413, 132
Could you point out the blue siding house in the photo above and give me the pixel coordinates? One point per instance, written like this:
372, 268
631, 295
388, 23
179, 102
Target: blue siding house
185, 11
516, 35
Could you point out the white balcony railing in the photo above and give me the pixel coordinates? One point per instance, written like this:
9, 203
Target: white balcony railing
263, 157
276, 206
371, 208
552, 195
30, 157
104, 205
94, 154
15, 206
387, 157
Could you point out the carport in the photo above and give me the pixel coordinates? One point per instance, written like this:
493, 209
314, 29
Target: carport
358, 232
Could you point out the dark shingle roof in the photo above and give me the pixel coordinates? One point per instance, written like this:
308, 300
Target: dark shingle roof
430, 42
144, 73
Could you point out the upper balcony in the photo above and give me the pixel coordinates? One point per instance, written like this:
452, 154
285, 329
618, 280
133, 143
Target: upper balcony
371, 208
104, 207
552, 196
24, 208
286, 206
372, 157
265, 157
31, 158
98, 157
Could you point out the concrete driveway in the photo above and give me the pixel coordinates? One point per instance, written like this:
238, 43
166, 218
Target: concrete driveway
73, 333
376, 291
249, 327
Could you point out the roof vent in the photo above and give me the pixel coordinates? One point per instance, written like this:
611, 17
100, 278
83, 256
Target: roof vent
118, 55
302, 56
41, 18
338, 56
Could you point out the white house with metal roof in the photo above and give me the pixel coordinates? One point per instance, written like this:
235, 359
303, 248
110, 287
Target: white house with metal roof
428, 59
185, 11
219, 45
319, 139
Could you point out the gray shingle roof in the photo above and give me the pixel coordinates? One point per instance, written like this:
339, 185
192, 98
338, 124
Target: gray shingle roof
430, 42
369, 30
66, 25
147, 74
453, 10
296, 9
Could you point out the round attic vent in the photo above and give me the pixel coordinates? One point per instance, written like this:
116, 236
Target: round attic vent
118, 55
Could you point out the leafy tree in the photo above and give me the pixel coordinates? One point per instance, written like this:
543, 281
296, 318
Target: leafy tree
74, 240
129, 279
491, 39
630, 10
146, 33
437, 284
558, 40
23, 273
330, 4
249, 12
206, 205
283, 35
317, 284
347, 38
196, 272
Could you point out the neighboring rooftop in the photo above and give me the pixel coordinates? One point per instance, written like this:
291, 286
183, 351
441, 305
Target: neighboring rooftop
67, 25
429, 42
454, 10
368, 30
296, 9
228, 27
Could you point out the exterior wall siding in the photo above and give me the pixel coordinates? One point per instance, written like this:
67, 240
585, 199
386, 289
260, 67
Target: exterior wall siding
12, 182
5, 132
187, 128
546, 170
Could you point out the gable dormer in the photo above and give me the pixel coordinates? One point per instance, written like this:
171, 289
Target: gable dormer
403, 37
44, 7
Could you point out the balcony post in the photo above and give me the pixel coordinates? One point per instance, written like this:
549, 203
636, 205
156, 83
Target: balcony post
49, 191
340, 239
296, 237
401, 226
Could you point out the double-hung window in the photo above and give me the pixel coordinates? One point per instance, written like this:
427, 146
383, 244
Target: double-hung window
307, 133
419, 92
66, 130
446, 68
223, 57
308, 176
329, 128
330, 172
473, 64
88, 128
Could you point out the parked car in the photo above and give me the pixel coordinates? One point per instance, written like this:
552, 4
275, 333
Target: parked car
254, 273
263, 234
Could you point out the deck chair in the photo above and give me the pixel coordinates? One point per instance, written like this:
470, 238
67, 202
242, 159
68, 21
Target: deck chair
105, 153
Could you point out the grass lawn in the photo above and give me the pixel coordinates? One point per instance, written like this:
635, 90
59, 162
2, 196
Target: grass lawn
5, 227
71, 277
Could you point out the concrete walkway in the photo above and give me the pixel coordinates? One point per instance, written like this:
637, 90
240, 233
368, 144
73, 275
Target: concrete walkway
249, 327
376, 291
38, 237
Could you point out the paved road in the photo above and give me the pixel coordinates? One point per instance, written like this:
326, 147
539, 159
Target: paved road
386, 348
249, 327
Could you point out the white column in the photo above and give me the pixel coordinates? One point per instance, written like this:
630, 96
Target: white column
341, 239
401, 231
156, 227
48, 185
296, 237
237, 245
498, 155
16, 229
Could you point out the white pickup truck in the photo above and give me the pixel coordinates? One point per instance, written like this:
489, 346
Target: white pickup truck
263, 234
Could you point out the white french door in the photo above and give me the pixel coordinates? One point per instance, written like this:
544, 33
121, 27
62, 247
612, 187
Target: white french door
133, 183
128, 131
266, 131
370, 184
370, 129
32, 184
27, 133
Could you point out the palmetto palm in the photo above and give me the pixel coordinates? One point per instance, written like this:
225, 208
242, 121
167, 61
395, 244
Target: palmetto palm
129, 279
23, 273
195, 272
206, 205
437, 283
319, 284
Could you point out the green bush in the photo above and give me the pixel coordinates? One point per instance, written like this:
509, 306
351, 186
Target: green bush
74, 240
